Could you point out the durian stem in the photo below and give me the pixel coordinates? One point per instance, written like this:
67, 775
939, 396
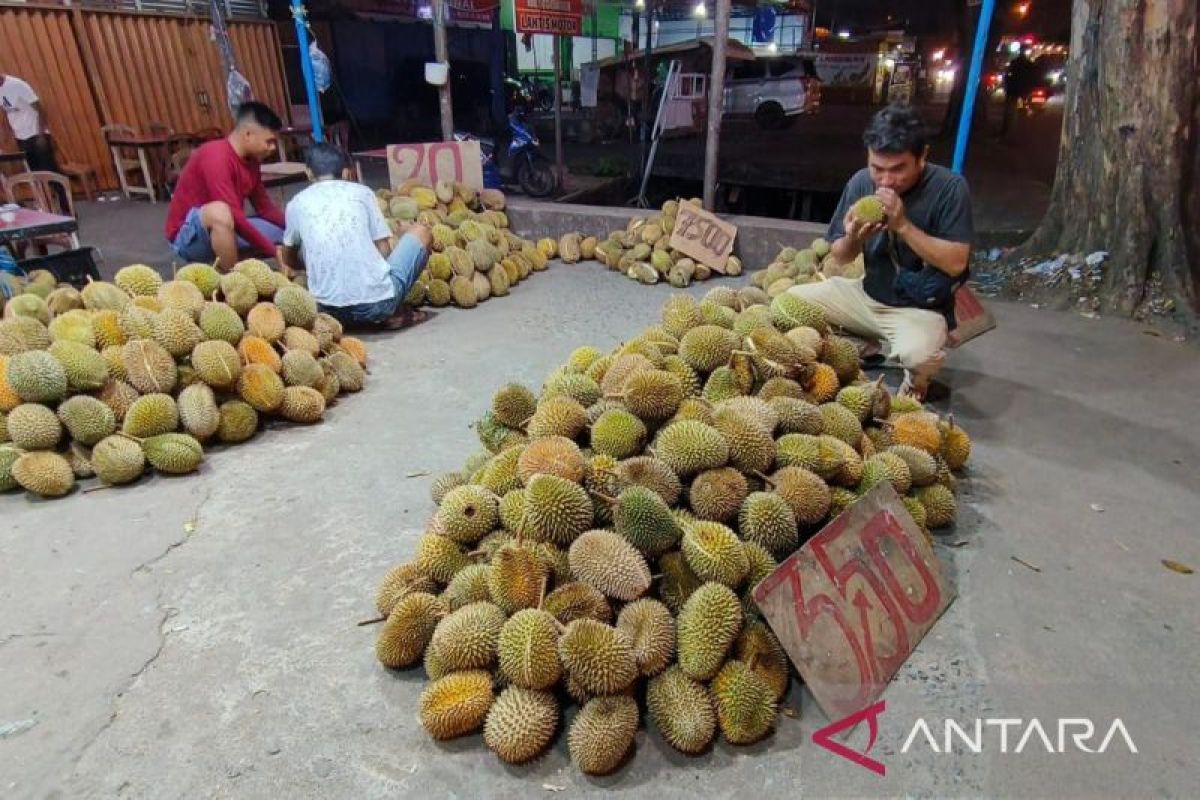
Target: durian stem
542, 592
476, 553
612, 501
95, 489
765, 479
374, 621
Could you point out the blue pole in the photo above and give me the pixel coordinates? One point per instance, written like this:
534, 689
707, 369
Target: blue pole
964, 121
300, 15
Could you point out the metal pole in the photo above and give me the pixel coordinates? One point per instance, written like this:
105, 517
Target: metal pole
300, 15
647, 83
972, 88
441, 53
716, 104
559, 170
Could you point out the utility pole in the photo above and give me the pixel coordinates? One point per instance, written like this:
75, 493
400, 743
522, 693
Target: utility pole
441, 53
716, 104
559, 169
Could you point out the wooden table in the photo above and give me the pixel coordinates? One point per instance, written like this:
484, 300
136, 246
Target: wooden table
29, 223
379, 154
142, 144
278, 174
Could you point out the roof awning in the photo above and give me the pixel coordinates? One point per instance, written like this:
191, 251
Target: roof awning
734, 51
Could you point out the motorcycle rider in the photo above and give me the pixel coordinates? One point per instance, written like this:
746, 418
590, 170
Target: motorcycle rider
1019, 80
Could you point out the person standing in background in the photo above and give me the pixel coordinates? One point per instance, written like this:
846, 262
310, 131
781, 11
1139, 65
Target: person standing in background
27, 121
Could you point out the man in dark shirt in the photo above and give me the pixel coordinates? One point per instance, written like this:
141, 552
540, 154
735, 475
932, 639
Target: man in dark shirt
207, 219
1020, 78
925, 234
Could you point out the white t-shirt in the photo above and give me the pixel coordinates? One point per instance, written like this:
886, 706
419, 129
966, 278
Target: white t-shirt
336, 224
17, 98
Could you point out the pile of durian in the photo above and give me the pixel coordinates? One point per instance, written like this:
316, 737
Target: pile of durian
105, 381
642, 251
602, 549
474, 255
794, 267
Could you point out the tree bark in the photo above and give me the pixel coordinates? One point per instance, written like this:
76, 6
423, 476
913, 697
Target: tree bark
1128, 179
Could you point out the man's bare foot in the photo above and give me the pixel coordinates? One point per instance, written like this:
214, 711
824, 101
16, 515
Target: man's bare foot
405, 318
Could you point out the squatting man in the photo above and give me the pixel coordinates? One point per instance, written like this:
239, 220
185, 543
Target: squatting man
914, 235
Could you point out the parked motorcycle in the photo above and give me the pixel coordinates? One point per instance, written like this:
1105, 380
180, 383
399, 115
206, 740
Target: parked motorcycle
521, 163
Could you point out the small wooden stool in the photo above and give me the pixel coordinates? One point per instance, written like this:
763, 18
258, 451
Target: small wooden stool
85, 175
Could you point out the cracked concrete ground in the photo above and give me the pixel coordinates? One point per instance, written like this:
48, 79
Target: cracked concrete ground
196, 636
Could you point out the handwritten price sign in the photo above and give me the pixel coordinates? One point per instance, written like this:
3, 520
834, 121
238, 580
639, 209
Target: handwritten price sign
430, 162
703, 237
852, 603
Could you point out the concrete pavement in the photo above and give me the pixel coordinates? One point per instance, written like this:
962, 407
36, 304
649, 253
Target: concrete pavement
195, 636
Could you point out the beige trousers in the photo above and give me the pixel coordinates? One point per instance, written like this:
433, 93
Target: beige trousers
912, 337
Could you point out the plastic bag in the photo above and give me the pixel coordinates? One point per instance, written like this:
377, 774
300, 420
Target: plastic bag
322, 69
237, 89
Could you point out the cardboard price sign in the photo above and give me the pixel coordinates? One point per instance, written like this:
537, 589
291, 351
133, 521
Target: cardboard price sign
853, 602
556, 17
702, 236
430, 162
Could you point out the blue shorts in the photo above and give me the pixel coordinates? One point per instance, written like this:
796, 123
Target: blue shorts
405, 263
192, 243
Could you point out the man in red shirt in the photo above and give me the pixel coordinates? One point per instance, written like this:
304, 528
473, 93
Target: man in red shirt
207, 219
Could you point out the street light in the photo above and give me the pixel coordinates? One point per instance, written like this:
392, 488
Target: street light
843, 34
700, 12
938, 55
640, 4
1022, 9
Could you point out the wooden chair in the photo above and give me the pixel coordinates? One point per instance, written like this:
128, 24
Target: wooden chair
85, 174
129, 160
39, 187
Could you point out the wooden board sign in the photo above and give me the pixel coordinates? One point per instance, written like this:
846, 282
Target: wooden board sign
972, 317
430, 162
853, 602
556, 17
702, 236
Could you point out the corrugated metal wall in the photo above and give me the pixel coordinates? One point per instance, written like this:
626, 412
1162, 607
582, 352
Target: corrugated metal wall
39, 46
147, 68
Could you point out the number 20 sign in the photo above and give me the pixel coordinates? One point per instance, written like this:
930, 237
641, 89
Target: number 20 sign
853, 602
430, 162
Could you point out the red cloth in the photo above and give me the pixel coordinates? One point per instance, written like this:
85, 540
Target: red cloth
216, 172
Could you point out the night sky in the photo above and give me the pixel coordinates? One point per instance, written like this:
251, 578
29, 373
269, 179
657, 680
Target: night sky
1047, 19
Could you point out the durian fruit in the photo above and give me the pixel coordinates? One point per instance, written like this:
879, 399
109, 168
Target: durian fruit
767, 519
44, 473
520, 724
868, 209
198, 412
440, 557
791, 311
150, 415
8, 457
107, 329
556, 510
689, 447
469, 637
150, 368
36, 376
841, 423
653, 395
302, 404
716, 495
266, 322
259, 386
74, 326
528, 648
239, 292
402, 579
714, 553
551, 455
296, 305
609, 563
939, 503
956, 445
87, 419
706, 347
176, 331
708, 625
841, 354
182, 296
918, 429
598, 656
299, 339
62, 300
643, 519
618, 433
468, 513
118, 460
206, 278
745, 706
408, 629
220, 321
654, 474
683, 710
457, 704
517, 578
469, 585
650, 628
118, 396
259, 272
602, 733
803, 490
577, 600
820, 454
350, 374
173, 453
238, 422
28, 305
217, 363
32, 426
760, 650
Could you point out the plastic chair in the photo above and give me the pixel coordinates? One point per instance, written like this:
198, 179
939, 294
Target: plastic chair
129, 160
39, 186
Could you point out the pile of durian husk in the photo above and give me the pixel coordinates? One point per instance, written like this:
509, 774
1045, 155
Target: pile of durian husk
474, 255
601, 550
106, 381
792, 267
642, 251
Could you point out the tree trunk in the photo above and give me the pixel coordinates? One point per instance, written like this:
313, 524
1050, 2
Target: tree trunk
1128, 179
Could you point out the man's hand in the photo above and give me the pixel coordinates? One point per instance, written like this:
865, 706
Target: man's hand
893, 206
859, 231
